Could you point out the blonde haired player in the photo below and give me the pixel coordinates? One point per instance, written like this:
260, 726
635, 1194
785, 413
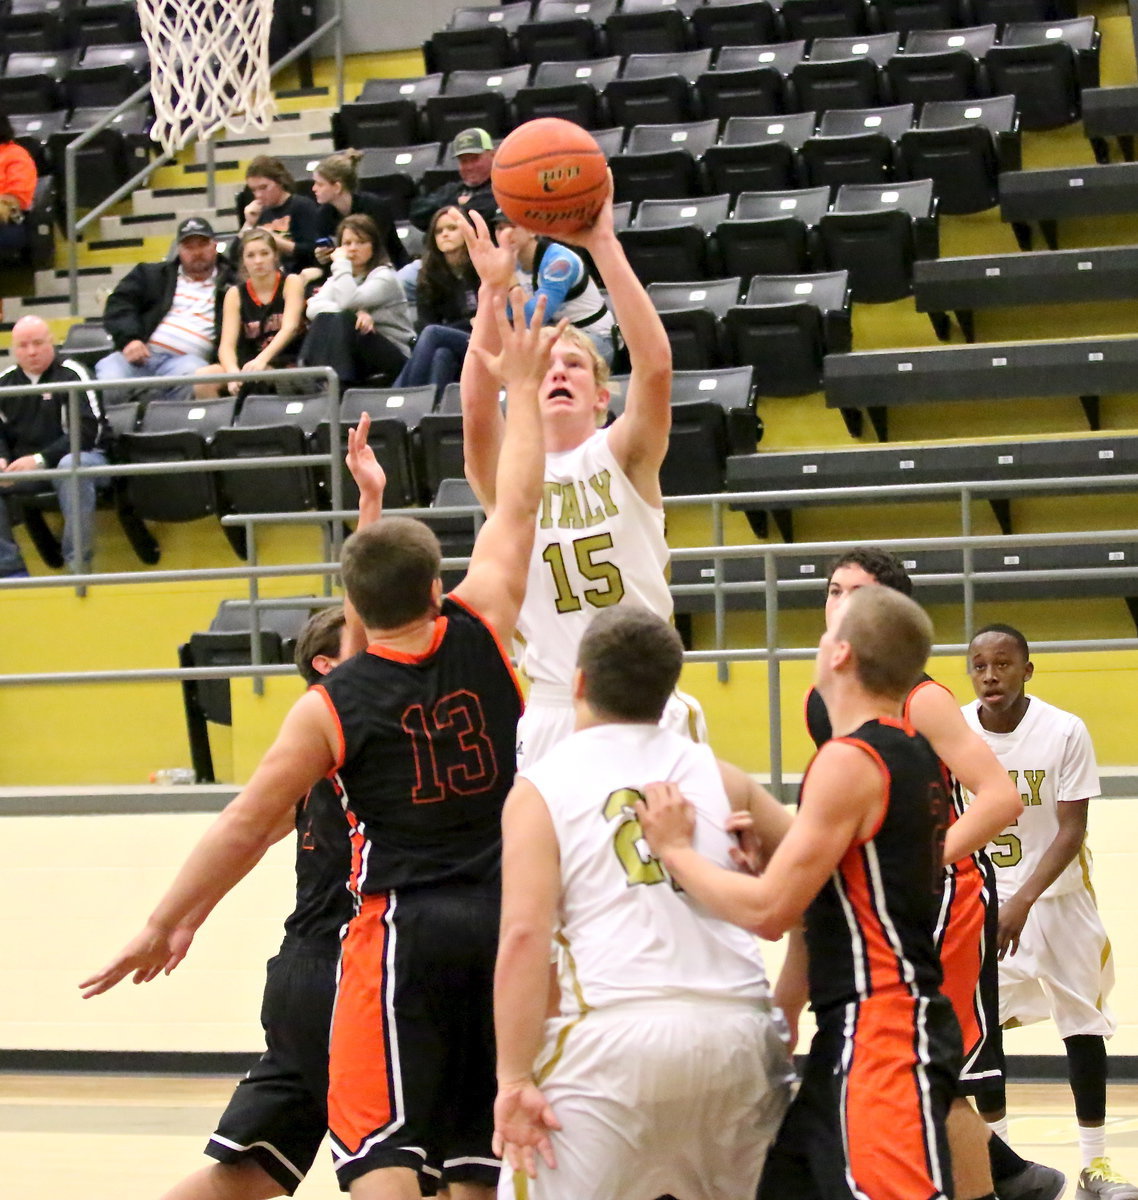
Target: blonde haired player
664, 1071
600, 533
1055, 958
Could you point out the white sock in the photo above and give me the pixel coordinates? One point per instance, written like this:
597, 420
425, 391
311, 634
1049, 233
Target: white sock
1092, 1143
999, 1128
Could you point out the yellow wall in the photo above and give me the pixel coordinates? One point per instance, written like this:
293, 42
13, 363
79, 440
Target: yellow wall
115, 868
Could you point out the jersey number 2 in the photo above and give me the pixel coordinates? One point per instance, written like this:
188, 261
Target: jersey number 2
628, 841
596, 572
476, 768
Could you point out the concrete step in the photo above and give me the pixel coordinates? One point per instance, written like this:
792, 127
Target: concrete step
53, 281
316, 143
189, 198
48, 307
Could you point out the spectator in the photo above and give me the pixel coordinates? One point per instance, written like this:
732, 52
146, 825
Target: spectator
17, 188
473, 149
361, 323
335, 185
261, 316
547, 268
164, 317
446, 300
275, 206
35, 433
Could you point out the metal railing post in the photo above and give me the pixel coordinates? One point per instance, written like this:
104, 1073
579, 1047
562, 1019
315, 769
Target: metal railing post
774, 678
339, 38
969, 586
74, 527
722, 671
210, 172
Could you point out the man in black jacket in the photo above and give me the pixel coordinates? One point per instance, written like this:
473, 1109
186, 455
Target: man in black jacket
165, 317
35, 433
473, 150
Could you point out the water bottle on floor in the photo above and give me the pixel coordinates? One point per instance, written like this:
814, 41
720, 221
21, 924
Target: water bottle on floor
173, 775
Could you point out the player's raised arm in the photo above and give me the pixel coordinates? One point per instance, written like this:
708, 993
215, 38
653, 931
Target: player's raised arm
371, 479
639, 437
482, 425
495, 582
261, 814
841, 800
996, 803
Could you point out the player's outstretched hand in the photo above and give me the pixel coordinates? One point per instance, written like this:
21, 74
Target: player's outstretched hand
602, 225
370, 477
496, 264
1013, 917
522, 1121
526, 348
666, 818
151, 953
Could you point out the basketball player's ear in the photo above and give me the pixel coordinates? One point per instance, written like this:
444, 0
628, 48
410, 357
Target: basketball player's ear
1028, 670
578, 684
841, 655
437, 593
324, 664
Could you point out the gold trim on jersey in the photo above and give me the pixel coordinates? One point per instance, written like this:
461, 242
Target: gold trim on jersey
521, 1185
542, 1073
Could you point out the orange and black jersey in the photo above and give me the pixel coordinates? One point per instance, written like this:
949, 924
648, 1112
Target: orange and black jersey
871, 927
323, 859
427, 755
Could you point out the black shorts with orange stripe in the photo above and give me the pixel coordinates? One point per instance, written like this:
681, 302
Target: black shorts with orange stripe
869, 1119
411, 1070
966, 938
278, 1114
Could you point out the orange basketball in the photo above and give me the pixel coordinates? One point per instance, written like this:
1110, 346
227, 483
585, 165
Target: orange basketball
550, 176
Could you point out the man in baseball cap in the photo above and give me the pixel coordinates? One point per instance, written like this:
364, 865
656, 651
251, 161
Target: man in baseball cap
193, 227
473, 151
165, 317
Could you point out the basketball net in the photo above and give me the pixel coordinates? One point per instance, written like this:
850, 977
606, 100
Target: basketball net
209, 67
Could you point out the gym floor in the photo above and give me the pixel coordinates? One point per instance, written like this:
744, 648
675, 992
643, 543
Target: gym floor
104, 1136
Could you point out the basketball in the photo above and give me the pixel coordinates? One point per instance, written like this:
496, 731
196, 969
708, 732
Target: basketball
550, 176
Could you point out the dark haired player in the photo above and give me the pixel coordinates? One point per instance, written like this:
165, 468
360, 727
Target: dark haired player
419, 733
861, 864
966, 925
1055, 958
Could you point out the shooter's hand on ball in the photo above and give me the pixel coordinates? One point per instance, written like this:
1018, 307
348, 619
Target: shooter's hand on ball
526, 349
602, 226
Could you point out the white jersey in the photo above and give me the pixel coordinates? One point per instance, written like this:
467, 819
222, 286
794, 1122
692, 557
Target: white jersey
626, 932
598, 543
1050, 759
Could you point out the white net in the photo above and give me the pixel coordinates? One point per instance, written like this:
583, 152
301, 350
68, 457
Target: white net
209, 66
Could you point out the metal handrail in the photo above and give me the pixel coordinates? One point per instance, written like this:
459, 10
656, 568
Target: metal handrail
325, 377
773, 652
76, 224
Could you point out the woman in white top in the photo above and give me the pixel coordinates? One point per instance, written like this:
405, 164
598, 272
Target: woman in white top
361, 324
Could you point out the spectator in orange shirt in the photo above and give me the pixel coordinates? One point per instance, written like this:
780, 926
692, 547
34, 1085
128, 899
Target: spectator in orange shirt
17, 188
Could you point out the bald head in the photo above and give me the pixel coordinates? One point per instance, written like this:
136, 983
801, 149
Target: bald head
33, 347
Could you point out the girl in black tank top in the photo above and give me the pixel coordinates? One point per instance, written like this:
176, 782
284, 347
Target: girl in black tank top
262, 317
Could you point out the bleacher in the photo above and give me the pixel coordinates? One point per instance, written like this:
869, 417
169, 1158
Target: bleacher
809, 190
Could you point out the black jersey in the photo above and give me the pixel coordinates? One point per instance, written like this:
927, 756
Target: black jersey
818, 719
323, 860
427, 755
871, 928
260, 322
